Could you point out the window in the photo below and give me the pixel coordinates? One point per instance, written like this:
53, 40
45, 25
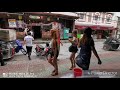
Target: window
96, 18
82, 16
108, 19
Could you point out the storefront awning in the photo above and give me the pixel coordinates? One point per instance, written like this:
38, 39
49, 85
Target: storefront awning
54, 14
95, 27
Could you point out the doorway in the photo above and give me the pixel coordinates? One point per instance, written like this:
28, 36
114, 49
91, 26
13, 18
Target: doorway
2, 23
37, 32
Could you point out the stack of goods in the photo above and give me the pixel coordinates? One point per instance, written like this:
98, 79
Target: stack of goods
7, 34
4, 35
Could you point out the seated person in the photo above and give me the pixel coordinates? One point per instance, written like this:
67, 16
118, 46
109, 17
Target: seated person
45, 49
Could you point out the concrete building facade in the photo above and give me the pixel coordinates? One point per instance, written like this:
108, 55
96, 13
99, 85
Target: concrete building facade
104, 24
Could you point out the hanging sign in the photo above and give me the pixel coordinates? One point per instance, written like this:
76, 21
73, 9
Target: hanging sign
12, 23
19, 17
34, 17
19, 24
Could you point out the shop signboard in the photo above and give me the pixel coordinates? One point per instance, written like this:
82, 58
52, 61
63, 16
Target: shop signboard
12, 23
98, 27
34, 17
20, 17
20, 24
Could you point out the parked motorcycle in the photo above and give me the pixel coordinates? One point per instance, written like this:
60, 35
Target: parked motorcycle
1, 56
7, 49
42, 51
111, 44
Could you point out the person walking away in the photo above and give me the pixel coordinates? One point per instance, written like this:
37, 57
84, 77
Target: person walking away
87, 45
52, 59
28, 41
73, 49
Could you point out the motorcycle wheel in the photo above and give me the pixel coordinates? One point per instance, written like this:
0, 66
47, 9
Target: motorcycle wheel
107, 47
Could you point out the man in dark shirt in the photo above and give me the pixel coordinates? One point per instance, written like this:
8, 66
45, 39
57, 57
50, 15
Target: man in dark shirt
1, 57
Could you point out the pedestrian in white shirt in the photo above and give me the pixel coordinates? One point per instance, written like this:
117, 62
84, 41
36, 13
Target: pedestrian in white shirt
28, 40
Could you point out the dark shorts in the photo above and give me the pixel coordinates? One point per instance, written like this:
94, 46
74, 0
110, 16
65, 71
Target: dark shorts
29, 49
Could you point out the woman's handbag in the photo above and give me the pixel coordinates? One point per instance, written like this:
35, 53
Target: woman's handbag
71, 48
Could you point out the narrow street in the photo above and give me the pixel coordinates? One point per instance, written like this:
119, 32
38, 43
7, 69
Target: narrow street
17, 25
42, 69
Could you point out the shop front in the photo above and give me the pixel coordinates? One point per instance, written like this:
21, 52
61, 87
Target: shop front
99, 32
13, 21
42, 23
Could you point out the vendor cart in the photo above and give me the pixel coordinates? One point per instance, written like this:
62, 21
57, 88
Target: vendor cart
6, 36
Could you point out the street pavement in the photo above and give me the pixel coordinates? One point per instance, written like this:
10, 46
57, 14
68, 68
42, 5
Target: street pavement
38, 67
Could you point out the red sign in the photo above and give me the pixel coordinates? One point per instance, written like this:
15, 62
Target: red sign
94, 27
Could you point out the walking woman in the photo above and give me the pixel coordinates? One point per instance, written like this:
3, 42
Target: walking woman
87, 45
73, 49
52, 59
59, 41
